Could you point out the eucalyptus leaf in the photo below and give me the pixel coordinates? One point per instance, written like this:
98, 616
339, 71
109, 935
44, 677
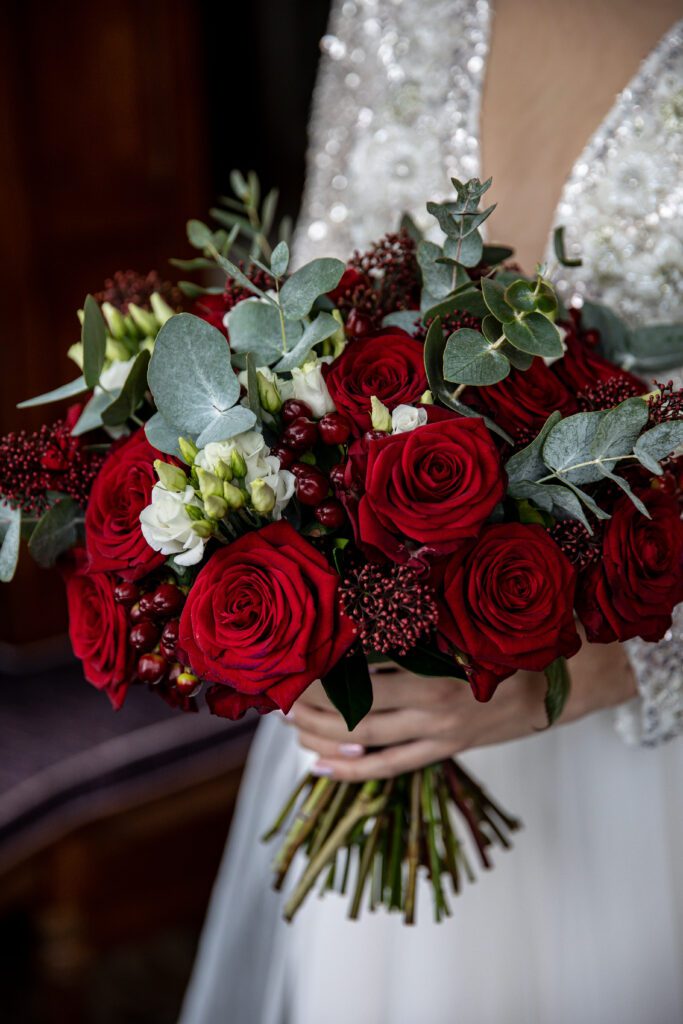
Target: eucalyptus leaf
226, 425
199, 235
528, 464
163, 435
407, 319
300, 291
10, 538
494, 254
468, 301
657, 347
238, 275
198, 263
253, 397
624, 485
324, 326
91, 416
619, 429
408, 225
521, 296
94, 341
256, 327
470, 250
75, 387
520, 360
436, 278
560, 253
568, 447
190, 375
131, 395
494, 297
279, 261
424, 660
491, 329
465, 410
470, 359
561, 502
268, 211
614, 343
536, 335
56, 532
658, 442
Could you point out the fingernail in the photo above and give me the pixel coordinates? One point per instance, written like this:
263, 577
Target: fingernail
320, 768
351, 750
290, 716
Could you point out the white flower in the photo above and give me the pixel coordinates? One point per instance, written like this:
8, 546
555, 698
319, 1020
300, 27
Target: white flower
261, 465
407, 417
309, 387
167, 527
284, 386
281, 481
115, 376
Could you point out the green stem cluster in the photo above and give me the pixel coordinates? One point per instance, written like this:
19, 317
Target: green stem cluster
371, 840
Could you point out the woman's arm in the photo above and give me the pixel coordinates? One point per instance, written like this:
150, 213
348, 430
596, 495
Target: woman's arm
418, 720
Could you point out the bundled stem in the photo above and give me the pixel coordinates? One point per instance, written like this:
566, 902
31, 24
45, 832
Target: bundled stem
389, 834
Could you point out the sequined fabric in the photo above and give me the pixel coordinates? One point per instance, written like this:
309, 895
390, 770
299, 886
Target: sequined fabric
396, 115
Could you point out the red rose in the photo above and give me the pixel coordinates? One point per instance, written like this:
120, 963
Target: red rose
508, 604
390, 366
434, 487
98, 629
122, 488
263, 618
212, 308
638, 582
522, 402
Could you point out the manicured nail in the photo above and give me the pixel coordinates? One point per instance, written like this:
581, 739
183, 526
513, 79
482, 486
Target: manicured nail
290, 716
320, 768
351, 750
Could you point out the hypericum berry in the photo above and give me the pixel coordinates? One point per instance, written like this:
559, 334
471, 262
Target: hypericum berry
330, 513
169, 638
334, 428
187, 683
151, 668
174, 671
136, 614
144, 635
299, 469
312, 486
293, 409
167, 600
374, 435
147, 605
126, 593
299, 435
357, 324
285, 455
338, 476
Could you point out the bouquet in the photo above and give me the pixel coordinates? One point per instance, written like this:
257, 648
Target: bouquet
420, 457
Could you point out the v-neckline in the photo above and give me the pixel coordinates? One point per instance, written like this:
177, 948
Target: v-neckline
633, 86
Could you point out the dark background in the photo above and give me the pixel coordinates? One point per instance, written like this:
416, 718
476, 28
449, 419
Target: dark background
118, 122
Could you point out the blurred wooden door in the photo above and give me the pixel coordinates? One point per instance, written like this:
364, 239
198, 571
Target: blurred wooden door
102, 160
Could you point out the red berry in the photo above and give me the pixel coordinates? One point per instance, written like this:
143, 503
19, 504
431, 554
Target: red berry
169, 638
311, 486
126, 593
299, 469
144, 635
151, 668
285, 455
300, 435
136, 614
338, 476
591, 338
374, 435
334, 428
330, 513
174, 671
186, 683
293, 409
147, 604
167, 600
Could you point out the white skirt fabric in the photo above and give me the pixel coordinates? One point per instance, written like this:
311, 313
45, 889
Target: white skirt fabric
581, 923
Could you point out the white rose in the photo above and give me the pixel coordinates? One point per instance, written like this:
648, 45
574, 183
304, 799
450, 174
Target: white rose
309, 387
167, 527
407, 417
250, 445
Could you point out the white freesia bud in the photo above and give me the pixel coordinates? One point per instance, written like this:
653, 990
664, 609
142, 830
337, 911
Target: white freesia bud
115, 321
379, 415
234, 497
406, 417
161, 309
268, 393
75, 352
143, 319
308, 386
209, 484
167, 526
115, 351
188, 450
262, 497
215, 507
172, 477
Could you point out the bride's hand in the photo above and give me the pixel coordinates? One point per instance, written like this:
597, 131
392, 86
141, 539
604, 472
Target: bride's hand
419, 720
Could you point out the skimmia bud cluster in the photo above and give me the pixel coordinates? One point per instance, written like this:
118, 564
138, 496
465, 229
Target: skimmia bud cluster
392, 607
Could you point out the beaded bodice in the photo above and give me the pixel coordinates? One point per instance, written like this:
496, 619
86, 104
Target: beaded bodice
396, 115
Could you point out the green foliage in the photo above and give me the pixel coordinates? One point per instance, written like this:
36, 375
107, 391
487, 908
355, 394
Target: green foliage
94, 340
657, 443
193, 383
56, 532
91, 417
558, 245
425, 660
10, 538
300, 291
256, 326
132, 393
75, 387
163, 435
644, 350
557, 692
470, 359
349, 688
324, 326
279, 261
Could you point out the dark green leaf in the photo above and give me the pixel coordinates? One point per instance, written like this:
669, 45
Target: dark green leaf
494, 297
658, 442
279, 261
252, 387
494, 254
520, 360
300, 291
559, 684
349, 688
408, 225
657, 347
558, 245
465, 410
131, 395
56, 532
425, 660
536, 335
94, 339
559, 501
528, 464
521, 295
437, 279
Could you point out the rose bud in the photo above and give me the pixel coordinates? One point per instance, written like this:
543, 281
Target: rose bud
334, 428
312, 486
151, 668
294, 409
300, 435
262, 496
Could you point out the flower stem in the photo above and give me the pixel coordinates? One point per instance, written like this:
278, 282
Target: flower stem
313, 806
413, 846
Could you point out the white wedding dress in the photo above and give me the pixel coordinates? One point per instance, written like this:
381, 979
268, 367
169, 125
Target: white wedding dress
582, 923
